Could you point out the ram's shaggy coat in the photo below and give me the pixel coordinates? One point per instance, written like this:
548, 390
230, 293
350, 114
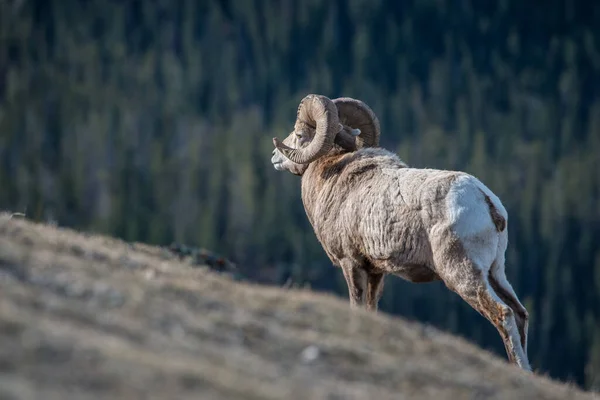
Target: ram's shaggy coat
374, 216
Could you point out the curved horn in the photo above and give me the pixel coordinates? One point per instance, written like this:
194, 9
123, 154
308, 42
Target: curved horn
358, 115
316, 111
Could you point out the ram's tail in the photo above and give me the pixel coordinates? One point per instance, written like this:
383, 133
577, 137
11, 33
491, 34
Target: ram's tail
497, 218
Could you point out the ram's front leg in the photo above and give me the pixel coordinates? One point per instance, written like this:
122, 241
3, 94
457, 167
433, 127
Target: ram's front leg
374, 290
356, 279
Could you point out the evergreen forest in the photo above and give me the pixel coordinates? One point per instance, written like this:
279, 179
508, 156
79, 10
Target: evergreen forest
152, 121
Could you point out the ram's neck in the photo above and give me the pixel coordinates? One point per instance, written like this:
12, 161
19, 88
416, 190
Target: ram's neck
317, 183
330, 180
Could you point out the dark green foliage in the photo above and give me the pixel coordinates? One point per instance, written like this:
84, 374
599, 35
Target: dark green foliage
153, 121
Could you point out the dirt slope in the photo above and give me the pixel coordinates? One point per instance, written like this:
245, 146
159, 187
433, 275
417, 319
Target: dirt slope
88, 317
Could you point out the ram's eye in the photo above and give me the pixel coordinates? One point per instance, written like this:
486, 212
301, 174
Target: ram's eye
299, 135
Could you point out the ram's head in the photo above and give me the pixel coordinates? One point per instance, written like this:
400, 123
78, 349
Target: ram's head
321, 124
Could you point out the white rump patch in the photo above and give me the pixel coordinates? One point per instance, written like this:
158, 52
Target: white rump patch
469, 218
467, 210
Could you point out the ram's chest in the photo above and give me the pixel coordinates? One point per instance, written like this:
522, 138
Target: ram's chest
324, 208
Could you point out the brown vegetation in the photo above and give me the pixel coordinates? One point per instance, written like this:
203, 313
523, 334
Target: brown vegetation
84, 316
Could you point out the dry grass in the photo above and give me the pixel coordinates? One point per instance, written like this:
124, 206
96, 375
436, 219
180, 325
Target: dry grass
85, 317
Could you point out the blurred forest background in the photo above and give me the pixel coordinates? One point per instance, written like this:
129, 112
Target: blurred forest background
152, 121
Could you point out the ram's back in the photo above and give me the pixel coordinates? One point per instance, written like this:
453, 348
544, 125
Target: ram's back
372, 203
400, 210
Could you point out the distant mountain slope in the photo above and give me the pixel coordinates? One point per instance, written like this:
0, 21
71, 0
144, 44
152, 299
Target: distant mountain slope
86, 317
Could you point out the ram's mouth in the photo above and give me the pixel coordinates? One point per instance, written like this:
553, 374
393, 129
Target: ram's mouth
276, 163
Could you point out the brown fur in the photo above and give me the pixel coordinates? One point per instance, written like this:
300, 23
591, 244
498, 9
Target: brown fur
497, 218
496, 314
520, 313
374, 216
339, 187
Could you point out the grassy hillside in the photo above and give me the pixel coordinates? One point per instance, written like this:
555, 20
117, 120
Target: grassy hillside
85, 316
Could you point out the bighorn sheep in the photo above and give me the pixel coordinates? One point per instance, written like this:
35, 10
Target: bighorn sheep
375, 216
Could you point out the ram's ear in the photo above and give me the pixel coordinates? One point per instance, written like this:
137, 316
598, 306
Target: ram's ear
346, 140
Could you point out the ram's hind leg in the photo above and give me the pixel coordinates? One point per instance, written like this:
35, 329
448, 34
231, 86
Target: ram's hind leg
471, 283
503, 318
505, 291
503, 288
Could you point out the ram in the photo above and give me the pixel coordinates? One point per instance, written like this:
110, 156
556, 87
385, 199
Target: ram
376, 216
